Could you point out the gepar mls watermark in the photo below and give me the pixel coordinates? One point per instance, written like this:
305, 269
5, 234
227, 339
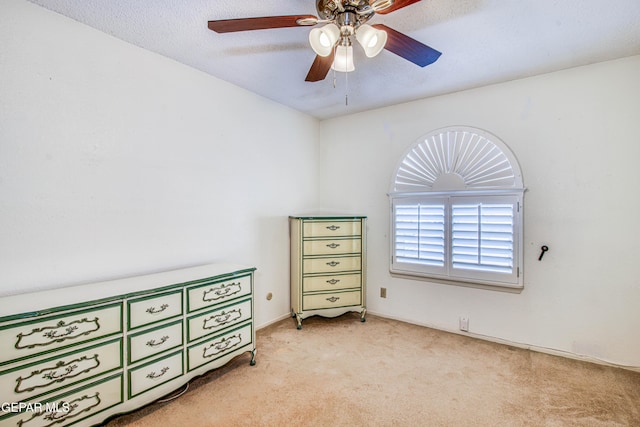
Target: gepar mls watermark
36, 407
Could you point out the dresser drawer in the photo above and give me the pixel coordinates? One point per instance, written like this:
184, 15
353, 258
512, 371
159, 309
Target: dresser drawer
151, 309
72, 407
149, 343
32, 337
45, 376
155, 373
210, 294
331, 228
331, 264
331, 283
219, 346
332, 246
213, 321
331, 300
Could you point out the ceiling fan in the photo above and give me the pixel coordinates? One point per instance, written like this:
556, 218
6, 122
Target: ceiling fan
343, 19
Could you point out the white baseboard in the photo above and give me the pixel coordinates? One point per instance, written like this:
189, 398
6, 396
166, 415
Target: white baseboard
276, 320
551, 351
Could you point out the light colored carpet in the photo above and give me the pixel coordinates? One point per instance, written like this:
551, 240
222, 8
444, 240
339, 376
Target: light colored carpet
341, 372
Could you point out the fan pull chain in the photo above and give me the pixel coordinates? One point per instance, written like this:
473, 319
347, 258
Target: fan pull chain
346, 89
334, 70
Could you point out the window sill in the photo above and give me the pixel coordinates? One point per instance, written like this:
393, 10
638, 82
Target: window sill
510, 288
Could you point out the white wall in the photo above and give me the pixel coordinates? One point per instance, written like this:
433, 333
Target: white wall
115, 161
576, 134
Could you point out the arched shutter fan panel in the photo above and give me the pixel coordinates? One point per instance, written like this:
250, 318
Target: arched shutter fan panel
457, 158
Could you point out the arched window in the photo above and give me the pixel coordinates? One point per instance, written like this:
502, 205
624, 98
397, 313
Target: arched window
456, 209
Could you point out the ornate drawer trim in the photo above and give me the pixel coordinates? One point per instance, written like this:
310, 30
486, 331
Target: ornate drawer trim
60, 331
154, 308
331, 300
155, 340
218, 292
82, 403
64, 370
216, 320
219, 346
153, 374
331, 228
329, 265
337, 246
331, 282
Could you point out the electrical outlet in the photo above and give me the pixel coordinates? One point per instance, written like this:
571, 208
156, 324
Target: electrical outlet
464, 324
383, 292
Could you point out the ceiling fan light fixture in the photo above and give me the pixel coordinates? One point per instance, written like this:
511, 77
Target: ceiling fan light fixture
343, 60
323, 39
371, 39
378, 5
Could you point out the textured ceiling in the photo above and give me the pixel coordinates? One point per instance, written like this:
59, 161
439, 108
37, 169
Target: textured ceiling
482, 41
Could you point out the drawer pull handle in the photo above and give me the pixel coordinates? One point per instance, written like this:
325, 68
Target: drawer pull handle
333, 281
333, 245
333, 227
222, 319
154, 376
333, 263
222, 345
153, 343
56, 373
225, 290
152, 310
60, 332
333, 299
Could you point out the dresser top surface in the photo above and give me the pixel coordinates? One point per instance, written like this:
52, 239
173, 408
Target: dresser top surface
327, 217
69, 295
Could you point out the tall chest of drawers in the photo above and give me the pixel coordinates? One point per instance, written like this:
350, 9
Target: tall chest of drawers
328, 266
84, 353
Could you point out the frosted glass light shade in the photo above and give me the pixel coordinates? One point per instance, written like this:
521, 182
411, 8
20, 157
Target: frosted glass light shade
323, 39
371, 39
343, 61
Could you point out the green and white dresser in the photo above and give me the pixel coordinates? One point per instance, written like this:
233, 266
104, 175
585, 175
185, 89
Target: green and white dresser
83, 353
328, 266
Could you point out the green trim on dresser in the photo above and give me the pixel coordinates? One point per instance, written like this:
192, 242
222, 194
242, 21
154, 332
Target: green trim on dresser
324, 249
328, 218
58, 352
120, 297
211, 303
148, 297
58, 363
154, 374
59, 399
222, 339
146, 331
202, 314
73, 340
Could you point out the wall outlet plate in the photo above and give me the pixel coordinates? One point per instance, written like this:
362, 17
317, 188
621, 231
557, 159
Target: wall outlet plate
464, 324
383, 292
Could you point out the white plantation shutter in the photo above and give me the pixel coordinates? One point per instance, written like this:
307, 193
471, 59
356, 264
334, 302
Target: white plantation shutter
484, 238
456, 210
420, 233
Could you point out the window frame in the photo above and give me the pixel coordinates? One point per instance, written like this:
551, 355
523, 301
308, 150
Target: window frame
458, 165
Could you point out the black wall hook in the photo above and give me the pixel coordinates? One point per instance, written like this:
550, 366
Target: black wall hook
543, 249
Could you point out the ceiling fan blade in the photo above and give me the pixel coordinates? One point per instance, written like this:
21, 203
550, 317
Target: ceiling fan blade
320, 68
264, 23
408, 48
397, 4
